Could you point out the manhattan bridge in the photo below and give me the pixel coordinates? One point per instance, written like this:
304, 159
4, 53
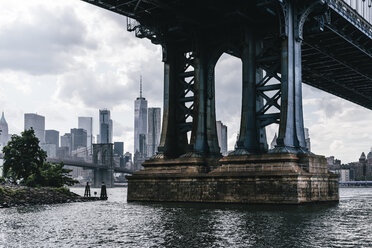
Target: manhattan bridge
326, 44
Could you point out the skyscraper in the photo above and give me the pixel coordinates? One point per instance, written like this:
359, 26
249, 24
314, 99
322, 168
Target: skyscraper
140, 120
142, 145
153, 132
4, 132
119, 148
66, 142
50, 149
52, 137
86, 123
222, 137
105, 126
51, 144
78, 138
36, 122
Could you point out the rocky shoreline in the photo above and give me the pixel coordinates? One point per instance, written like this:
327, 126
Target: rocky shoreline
12, 196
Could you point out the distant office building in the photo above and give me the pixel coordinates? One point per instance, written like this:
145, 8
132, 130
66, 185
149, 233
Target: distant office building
128, 160
140, 120
4, 132
105, 126
119, 148
98, 139
50, 149
78, 138
345, 175
153, 132
66, 142
36, 122
62, 152
222, 137
52, 137
128, 157
86, 123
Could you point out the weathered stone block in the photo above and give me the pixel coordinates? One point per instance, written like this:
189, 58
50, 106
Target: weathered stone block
268, 178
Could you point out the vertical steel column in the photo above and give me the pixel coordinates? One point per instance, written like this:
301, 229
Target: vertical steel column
172, 143
204, 133
291, 128
212, 139
199, 135
248, 141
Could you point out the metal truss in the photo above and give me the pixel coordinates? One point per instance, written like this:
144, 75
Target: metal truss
271, 101
186, 80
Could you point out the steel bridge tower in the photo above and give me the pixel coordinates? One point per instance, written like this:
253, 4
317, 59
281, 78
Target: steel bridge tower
281, 44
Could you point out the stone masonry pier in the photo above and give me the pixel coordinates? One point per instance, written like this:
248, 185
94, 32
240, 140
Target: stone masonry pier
268, 178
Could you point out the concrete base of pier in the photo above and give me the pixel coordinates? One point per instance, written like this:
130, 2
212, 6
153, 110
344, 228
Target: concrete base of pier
268, 178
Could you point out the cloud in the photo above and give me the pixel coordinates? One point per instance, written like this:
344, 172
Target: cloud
65, 59
44, 43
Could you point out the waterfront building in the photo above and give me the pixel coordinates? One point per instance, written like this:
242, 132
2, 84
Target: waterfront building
4, 132
105, 126
37, 123
86, 123
222, 137
345, 175
118, 148
153, 132
140, 119
52, 137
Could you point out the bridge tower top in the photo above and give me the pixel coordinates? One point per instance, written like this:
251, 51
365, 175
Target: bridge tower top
103, 154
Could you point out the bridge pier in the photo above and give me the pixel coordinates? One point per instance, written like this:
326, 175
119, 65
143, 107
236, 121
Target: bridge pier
103, 176
103, 155
189, 166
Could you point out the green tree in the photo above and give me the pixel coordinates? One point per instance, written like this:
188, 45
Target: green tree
25, 161
23, 156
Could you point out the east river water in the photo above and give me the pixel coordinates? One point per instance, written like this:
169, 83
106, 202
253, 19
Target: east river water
116, 223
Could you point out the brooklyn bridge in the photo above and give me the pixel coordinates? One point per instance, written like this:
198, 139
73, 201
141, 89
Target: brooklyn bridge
281, 44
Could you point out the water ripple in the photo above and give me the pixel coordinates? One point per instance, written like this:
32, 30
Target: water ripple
116, 223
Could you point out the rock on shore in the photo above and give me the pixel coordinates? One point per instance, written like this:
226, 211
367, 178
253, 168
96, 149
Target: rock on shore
22, 196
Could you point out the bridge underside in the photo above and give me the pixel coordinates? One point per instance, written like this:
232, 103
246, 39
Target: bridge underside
281, 44
337, 53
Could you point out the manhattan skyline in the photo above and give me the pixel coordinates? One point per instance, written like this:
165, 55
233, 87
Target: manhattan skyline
64, 60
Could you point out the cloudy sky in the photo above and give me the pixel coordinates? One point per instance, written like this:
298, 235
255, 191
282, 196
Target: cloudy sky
64, 59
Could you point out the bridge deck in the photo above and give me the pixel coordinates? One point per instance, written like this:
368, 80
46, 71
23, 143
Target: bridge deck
337, 60
83, 164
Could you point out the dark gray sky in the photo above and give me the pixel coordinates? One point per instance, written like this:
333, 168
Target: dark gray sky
64, 59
